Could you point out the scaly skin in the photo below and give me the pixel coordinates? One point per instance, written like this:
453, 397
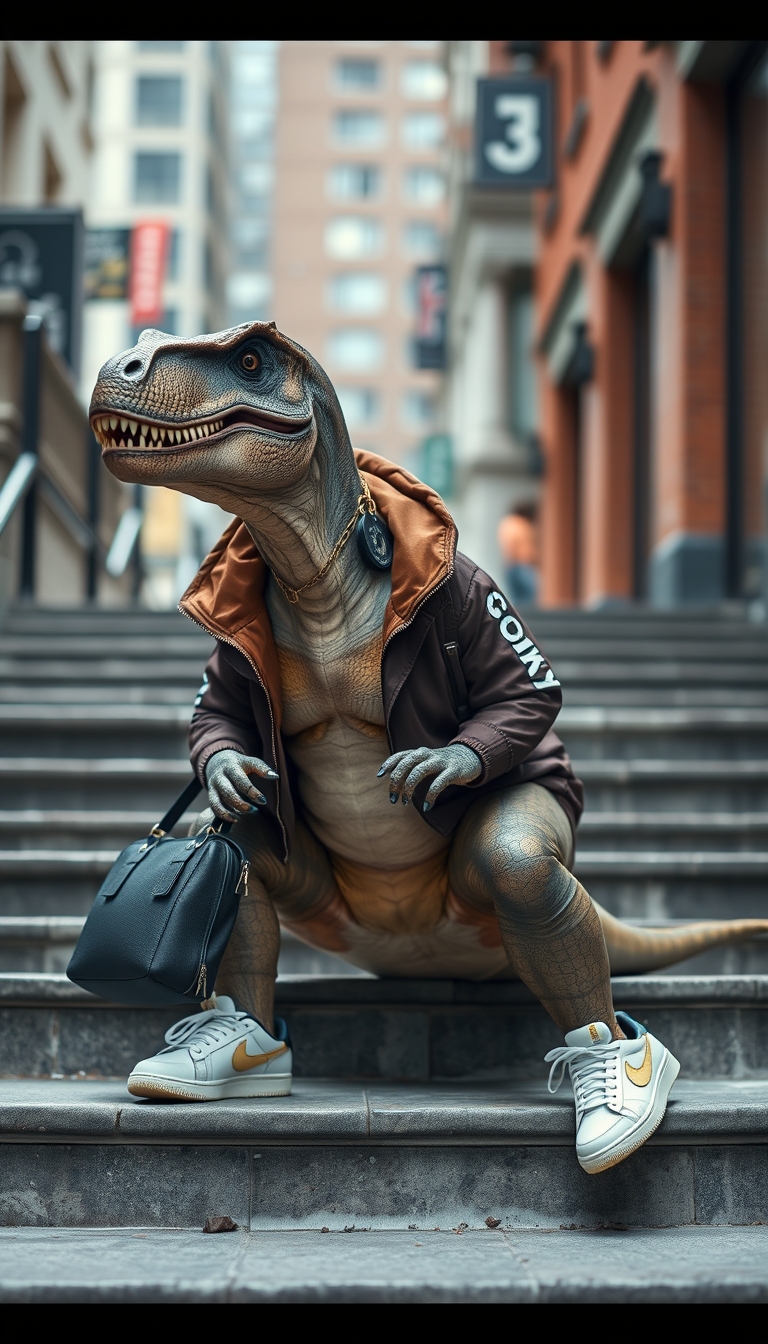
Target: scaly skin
496, 899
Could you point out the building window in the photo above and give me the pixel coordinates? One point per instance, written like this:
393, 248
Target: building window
355, 349
423, 130
418, 409
157, 178
351, 236
421, 238
354, 182
250, 239
161, 46
255, 181
158, 100
354, 126
357, 73
423, 80
424, 186
360, 292
361, 406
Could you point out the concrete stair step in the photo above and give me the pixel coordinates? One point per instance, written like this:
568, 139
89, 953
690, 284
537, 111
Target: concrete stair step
724, 864
44, 944
381, 1156
361, 1027
691, 1265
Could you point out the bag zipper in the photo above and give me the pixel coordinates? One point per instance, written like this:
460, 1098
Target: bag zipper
202, 981
242, 881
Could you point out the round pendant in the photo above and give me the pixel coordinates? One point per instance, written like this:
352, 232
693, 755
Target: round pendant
374, 541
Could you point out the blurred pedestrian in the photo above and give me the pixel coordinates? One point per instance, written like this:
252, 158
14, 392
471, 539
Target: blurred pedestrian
518, 541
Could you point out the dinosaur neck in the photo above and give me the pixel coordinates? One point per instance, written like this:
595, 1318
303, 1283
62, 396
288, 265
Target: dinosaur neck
296, 531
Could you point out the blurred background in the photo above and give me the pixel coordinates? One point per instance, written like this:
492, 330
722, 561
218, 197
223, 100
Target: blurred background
537, 273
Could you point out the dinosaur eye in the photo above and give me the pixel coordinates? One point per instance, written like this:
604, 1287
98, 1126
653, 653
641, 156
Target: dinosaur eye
249, 362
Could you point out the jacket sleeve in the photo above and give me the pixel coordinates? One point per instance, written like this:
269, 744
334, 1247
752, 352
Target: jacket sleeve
513, 694
223, 715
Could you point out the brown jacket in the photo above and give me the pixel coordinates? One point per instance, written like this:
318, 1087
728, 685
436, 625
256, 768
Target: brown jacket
501, 700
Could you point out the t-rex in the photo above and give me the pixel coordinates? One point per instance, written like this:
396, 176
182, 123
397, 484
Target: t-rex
325, 666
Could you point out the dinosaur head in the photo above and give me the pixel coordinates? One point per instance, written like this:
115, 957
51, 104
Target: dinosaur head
231, 417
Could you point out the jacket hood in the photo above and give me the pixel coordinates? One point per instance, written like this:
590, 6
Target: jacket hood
227, 594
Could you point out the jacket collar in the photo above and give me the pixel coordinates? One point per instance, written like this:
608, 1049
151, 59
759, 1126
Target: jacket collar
227, 594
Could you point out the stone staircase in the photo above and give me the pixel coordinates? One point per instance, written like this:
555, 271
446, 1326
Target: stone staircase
420, 1108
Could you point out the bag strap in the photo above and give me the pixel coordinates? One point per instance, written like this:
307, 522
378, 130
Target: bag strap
453, 653
177, 810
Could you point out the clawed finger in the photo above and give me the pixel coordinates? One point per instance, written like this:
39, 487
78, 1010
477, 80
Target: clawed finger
403, 769
416, 775
445, 778
253, 766
390, 762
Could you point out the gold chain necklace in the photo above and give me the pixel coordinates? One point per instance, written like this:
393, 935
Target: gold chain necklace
365, 504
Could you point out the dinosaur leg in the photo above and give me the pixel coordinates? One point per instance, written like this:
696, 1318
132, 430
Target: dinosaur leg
301, 891
511, 853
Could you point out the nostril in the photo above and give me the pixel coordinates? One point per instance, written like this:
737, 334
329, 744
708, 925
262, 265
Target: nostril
133, 368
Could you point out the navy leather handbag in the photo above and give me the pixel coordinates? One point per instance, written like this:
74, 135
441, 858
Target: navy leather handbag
163, 917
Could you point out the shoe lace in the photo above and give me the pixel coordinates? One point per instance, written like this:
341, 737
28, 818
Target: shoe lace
204, 1028
593, 1070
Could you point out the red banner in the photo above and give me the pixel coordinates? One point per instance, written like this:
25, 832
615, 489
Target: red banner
149, 255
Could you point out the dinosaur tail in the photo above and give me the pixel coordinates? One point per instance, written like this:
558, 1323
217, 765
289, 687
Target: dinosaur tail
632, 950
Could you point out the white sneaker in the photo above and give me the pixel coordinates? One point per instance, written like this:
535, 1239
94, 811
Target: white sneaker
218, 1052
620, 1088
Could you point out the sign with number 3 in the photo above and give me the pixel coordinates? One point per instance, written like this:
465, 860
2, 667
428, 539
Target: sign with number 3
513, 132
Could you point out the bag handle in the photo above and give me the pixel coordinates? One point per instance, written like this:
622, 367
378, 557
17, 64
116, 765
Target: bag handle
177, 810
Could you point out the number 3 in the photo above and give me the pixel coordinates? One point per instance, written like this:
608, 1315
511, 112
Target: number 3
520, 111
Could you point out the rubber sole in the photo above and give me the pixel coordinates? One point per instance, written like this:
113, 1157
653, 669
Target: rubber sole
171, 1089
612, 1156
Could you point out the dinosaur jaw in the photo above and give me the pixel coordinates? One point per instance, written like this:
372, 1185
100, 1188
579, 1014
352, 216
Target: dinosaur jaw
120, 433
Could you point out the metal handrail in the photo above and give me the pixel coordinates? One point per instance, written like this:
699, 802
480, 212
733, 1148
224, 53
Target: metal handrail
14, 490
16, 486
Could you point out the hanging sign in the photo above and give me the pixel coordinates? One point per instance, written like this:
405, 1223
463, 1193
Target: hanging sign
513, 132
41, 253
431, 312
149, 256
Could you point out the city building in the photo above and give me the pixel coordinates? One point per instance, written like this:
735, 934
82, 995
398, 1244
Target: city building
489, 399
253, 109
46, 91
359, 204
161, 157
59, 529
651, 323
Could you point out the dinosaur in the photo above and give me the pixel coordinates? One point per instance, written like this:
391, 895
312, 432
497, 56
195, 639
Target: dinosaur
326, 664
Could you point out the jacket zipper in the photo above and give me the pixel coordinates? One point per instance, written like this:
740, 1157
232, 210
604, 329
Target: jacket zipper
405, 625
233, 644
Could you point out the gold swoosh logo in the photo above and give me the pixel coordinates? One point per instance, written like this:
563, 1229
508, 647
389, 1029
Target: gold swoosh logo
641, 1076
242, 1061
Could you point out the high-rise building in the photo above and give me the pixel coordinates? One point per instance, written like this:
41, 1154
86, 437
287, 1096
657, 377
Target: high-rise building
360, 202
161, 154
253, 104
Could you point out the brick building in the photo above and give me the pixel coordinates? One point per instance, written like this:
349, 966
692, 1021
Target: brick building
652, 322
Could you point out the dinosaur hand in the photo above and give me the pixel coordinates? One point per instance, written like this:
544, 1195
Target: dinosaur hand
455, 764
230, 791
